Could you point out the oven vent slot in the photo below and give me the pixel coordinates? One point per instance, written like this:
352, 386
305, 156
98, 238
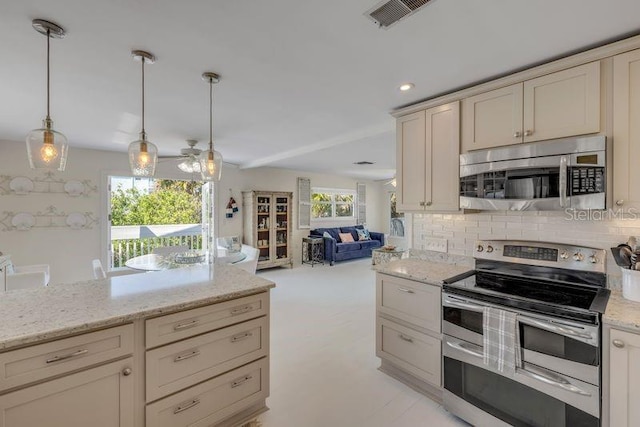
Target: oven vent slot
389, 12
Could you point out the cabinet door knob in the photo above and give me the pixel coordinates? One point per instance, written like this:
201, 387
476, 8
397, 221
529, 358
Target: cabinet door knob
421, 203
126, 372
428, 203
528, 132
518, 134
619, 202
618, 343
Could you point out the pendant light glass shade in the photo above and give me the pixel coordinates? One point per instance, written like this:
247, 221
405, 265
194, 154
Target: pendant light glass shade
46, 147
210, 160
211, 165
143, 155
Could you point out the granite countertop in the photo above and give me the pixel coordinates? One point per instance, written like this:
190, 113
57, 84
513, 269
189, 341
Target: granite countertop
29, 316
622, 313
431, 272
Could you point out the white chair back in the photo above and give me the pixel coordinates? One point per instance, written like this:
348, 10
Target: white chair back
168, 250
250, 263
98, 271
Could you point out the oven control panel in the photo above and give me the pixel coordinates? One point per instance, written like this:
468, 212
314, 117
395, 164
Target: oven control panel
542, 253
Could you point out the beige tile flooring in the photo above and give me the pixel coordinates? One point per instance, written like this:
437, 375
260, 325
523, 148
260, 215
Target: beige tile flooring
323, 364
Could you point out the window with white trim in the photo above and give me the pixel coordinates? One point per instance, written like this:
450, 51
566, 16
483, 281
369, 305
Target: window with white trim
328, 203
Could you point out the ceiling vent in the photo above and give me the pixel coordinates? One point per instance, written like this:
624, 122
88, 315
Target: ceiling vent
363, 162
389, 12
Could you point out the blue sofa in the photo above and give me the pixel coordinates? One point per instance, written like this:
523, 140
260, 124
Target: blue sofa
335, 250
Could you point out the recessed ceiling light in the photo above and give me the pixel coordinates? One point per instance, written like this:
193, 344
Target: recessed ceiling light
406, 86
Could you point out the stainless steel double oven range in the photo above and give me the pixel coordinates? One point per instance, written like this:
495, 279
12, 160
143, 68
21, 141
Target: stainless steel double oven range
559, 294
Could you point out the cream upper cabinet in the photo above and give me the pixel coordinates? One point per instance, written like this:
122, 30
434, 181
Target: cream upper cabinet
492, 119
624, 377
411, 161
557, 105
562, 104
626, 129
428, 149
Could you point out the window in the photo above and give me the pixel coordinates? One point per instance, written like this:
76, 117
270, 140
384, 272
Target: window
332, 204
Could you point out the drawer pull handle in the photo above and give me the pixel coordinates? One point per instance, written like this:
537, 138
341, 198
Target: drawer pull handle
187, 325
241, 337
409, 291
188, 405
240, 381
241, 310
405, 338
67, 356
186, 356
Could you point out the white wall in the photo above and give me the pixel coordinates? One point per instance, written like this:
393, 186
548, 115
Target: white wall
69, 252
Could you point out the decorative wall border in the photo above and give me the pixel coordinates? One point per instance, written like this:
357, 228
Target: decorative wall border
51, 217
47, 184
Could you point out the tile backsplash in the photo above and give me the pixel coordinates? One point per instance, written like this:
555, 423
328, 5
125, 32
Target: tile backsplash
463, 230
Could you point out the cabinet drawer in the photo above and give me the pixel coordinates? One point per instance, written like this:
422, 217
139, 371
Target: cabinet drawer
182, 364
414, 302
178, 326
30, 364
214, 400
417, 353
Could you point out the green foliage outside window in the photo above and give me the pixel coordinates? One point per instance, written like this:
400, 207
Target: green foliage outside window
330, 205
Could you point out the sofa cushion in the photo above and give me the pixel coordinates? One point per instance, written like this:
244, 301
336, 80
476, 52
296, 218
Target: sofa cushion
332, 231
370, 244
347, 247
346, 238
351, 230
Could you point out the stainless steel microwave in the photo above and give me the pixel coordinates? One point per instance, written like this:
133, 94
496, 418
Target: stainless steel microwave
540, 176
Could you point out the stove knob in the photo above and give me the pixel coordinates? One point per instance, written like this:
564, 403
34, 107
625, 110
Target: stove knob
578, 256
489, 249
564, 255
480, 248
593, 259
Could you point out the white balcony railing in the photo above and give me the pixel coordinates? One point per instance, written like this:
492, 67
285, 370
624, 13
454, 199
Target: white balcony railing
130, 241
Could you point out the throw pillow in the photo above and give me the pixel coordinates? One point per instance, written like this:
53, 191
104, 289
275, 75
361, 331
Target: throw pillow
10, 269
363, 234
325, 234
346, 237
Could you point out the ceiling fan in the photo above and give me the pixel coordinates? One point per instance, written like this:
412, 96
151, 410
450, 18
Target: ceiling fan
188, 158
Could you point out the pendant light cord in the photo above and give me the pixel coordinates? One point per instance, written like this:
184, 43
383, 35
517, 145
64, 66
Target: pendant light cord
143, 131
48, 74
210, 114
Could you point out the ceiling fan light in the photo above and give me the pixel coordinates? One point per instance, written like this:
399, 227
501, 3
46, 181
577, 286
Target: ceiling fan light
47, 148
211, 165
143, 157
189, 166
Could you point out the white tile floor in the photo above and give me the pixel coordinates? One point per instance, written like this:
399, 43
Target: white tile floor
323, 364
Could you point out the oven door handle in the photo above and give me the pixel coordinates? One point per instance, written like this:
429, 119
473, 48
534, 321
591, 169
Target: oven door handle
461, 347
554, 328
455, 303
552, 379
562, 182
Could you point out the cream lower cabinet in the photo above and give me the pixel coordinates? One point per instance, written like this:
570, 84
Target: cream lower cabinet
97, 397
408, 332
624, 378
427, 159
203, 367
561, 104
626, 129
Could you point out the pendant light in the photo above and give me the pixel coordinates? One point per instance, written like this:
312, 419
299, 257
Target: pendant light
211, 160
143, 155
47, 148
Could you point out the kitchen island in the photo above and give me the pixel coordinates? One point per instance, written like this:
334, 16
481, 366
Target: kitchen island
178, 347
